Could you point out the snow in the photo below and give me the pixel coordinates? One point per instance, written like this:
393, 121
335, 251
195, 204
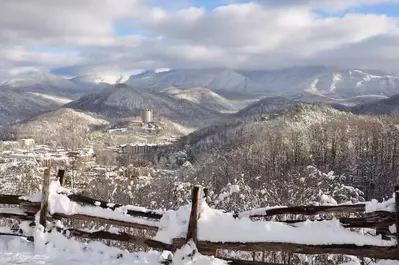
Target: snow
60, 100
183, 129
12, 211
231, 190
216, 226
336, 78
202, 96
59, 202
161, 70
173, 224
63, 251
313, 87
189, 255
34, 77
258, 211
36, 197
374, 205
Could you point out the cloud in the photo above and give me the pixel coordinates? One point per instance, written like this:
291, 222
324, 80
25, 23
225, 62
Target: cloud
330, 5
259, 34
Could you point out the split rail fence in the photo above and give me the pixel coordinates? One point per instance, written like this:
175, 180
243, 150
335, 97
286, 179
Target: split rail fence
379, 220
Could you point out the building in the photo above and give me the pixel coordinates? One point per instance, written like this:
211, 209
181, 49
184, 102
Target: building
146, 115
139, 148
27, 143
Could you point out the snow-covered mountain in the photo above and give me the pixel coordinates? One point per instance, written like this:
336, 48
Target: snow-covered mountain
16, 106
121, 100
49, 126
29, 93
318, 80
37, 79
212, 78
204, 97
274, 104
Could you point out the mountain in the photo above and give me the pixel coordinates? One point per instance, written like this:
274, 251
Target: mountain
265, 105
52, 125
27, 94
237, 133
204, 97
122, 101
387, 106
212, 78
16, 106
44, 82
319, 80
273, 104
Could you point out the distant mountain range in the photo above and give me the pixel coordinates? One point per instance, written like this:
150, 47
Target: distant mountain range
318, 80
194, 95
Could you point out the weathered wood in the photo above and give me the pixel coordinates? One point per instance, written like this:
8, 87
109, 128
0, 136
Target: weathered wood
346, 249
61, 177
103, 204
45, 194
397, 217
380, 220
125, 237
58, 216
29, 238
307, 210
246, 262
15, 199
361, 251
22, 217
196, 200
104, 220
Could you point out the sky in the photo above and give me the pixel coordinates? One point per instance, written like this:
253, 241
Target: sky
78, 37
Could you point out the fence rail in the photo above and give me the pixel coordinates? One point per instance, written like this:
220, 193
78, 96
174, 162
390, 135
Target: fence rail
380, 220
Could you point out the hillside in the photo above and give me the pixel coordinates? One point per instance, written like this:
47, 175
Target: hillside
265, 105
387, 106
281, 145
123, 101
51, 125
16, 106
203, 97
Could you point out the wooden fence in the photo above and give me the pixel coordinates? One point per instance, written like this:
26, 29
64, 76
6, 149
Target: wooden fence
379, 220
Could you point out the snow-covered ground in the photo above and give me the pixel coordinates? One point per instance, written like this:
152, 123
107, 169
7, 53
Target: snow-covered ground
19, 251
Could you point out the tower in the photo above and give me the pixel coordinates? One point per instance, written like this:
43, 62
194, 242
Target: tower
146, 115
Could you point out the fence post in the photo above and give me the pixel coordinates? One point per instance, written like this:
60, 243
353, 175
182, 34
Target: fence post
61, 176
194, 215
45, 194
